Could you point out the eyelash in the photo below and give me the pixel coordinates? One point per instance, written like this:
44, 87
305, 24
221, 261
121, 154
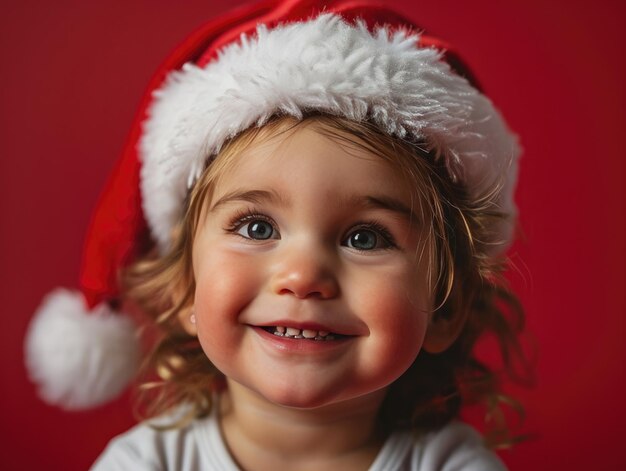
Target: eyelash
243, 217
377, 228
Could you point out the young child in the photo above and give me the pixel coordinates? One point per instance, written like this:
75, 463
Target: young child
328, 197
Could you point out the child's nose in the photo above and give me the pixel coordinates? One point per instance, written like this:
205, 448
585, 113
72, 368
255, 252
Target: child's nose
305, 273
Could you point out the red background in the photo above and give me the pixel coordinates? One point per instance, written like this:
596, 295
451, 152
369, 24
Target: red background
72, 76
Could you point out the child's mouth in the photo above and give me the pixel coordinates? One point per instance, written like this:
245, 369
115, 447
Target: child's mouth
306, 334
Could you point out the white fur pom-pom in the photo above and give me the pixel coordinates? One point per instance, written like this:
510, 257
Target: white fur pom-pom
80, 359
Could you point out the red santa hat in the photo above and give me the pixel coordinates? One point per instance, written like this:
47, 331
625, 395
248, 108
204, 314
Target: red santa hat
354, 59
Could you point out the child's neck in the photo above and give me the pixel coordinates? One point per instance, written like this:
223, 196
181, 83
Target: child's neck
266, 436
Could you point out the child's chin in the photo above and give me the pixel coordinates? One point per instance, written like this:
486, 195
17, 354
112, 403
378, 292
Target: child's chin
304, 400
300, 397
321, 400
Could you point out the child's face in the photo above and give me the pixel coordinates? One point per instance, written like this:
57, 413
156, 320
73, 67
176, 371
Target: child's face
306, 234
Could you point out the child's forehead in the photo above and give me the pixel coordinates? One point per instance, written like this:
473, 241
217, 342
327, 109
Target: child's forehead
290, 160
280, 142
354, 138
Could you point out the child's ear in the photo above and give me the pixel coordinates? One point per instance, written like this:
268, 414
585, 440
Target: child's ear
443, 329
187, 319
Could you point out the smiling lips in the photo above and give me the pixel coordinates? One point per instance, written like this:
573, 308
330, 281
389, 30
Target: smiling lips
308, 334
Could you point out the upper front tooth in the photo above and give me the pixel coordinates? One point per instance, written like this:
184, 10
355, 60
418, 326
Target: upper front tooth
309, 334
280, 329
292, 331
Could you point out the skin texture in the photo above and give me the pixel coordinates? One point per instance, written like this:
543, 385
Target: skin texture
307, 233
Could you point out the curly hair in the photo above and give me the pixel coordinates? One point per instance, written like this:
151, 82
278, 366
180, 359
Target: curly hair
466, 281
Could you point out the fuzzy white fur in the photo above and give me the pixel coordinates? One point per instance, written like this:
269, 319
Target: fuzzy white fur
328, 65
80, 359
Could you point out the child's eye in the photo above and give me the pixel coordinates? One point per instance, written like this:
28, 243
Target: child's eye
372, 237
254, 226
258, 230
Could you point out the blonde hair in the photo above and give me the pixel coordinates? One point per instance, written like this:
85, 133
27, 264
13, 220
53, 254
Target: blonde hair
467, 281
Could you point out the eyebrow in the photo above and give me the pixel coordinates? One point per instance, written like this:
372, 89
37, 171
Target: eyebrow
250, 196
387, 203
365, 202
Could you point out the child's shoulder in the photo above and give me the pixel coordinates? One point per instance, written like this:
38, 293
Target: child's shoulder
148, 446
199, 445
456, 446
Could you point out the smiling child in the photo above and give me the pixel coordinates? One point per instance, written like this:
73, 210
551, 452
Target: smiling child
313, 213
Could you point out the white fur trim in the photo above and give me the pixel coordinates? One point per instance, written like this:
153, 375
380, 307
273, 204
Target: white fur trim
329, 65
79, 359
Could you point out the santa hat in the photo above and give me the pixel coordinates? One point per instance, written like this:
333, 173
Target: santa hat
353, 59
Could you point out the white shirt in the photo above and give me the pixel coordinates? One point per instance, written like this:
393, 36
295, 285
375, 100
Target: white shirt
200, 446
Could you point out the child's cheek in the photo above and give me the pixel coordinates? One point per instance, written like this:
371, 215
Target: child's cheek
397, 317
225, 285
